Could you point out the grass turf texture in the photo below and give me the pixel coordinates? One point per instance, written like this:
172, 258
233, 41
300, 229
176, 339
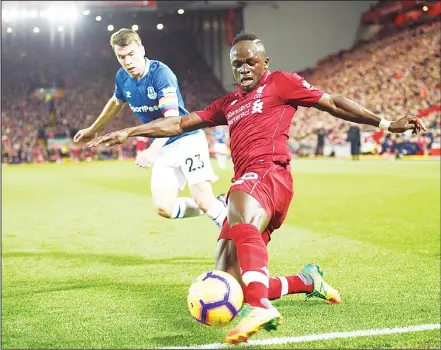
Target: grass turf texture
88, 264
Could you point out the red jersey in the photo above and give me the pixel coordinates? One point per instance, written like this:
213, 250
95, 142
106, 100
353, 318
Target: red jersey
259, 120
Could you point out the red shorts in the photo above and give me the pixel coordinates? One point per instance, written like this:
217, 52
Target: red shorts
272, 186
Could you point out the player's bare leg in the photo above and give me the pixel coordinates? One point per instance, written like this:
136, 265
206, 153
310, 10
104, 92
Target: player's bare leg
169, 205
226, 259
204, 198
166, 183
164, 199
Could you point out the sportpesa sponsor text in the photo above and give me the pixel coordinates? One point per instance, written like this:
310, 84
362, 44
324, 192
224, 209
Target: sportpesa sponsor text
143, 108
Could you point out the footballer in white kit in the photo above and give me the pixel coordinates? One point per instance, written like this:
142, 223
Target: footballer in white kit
151, 90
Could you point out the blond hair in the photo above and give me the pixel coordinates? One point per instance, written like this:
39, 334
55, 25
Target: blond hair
124, 37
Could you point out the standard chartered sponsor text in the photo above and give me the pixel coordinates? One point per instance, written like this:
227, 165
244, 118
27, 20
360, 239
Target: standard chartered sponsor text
239, 113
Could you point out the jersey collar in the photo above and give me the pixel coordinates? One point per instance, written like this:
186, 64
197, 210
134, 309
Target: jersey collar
147, 67
261, 82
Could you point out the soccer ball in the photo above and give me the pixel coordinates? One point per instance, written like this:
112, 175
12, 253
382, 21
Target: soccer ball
215, 298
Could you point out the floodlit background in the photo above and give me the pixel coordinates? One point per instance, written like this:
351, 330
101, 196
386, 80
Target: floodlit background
86, 262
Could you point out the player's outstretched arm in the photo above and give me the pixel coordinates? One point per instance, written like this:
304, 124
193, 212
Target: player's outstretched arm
112, 108
346, 109
163, 127
110, 111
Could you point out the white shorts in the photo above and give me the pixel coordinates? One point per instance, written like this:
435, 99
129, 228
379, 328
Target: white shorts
220, 148
186, 159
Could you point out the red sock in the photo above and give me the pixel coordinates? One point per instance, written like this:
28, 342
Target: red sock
252, 255
279, 286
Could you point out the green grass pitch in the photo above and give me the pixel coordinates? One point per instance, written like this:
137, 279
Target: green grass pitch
86, 263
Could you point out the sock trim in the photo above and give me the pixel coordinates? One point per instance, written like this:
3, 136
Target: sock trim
284, 282
219, 208
254, 276
185, 207
217, 213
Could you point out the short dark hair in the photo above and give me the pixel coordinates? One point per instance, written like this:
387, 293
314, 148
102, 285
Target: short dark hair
243, 36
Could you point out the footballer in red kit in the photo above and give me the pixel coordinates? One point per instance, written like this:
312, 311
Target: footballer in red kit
259, 115
262, 118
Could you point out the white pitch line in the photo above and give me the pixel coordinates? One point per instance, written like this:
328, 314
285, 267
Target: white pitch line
315, 337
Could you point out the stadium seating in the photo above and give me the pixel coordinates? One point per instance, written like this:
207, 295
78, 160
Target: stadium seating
393, 76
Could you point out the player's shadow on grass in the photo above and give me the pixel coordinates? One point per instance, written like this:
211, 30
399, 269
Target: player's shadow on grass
81, 260
139, 290
60, 287
112, 259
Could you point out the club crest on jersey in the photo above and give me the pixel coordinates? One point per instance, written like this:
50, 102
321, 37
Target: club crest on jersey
260, 89
151, 93
259, 92
128, 94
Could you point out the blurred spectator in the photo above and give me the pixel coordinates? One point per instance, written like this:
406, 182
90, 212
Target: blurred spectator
354, 138
321, 134
394, 76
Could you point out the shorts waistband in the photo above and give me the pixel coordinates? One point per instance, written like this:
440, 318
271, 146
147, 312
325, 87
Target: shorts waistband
284, 164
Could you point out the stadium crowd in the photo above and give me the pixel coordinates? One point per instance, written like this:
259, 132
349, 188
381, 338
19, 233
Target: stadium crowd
394, 76
48, 94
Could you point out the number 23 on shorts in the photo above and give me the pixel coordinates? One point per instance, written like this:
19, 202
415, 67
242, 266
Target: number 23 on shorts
194, 163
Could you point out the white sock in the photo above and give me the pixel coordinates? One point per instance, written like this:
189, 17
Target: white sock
217, 213
185, 207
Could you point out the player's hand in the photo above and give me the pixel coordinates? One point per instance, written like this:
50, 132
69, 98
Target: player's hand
146, 158
110, 139
84, 135
407, 123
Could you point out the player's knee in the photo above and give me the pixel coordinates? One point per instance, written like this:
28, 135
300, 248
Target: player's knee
202, 203
164, 212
